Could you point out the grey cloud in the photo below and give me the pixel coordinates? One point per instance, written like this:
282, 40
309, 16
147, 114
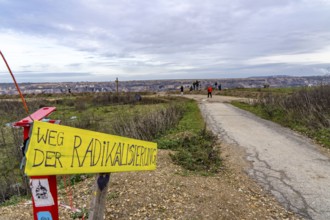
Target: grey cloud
53, 75
31, 74
211, 35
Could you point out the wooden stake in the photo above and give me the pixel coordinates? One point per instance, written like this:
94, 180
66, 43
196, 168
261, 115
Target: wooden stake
99, 197
117, 85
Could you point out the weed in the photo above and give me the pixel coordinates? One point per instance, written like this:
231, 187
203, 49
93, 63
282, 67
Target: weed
72, 180
148, 126
112, 195
196, 148
79, 215
198, 153
14, 200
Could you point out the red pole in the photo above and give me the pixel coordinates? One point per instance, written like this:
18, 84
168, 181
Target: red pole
43, 188
48, 211
17, 87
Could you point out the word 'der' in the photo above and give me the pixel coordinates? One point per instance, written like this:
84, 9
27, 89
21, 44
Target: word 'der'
55, 149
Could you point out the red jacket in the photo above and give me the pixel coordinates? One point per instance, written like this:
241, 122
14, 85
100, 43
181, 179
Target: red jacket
209, 89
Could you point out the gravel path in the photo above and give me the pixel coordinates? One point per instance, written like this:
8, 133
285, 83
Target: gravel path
285, 163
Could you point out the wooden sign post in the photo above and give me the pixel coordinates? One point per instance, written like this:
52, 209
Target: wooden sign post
55, 149
99, 196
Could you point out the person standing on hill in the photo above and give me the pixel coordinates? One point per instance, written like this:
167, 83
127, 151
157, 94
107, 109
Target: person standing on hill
181, 89
209, 91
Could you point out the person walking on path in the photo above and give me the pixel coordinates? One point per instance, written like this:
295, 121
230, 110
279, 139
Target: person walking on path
209, 91
181, 89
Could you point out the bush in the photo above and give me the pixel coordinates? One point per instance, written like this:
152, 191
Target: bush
309, 106
102, 99
148, 126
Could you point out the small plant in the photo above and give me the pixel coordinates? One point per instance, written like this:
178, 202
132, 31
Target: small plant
80, 214
12, 201
195, 148
198, 153
112, 195
72, 180
169, 143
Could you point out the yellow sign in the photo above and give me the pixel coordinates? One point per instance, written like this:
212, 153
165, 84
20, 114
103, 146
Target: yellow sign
56, 149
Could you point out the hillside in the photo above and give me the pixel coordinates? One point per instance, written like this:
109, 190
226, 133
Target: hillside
170, 192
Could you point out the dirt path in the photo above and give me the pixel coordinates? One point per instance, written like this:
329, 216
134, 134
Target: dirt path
285, 163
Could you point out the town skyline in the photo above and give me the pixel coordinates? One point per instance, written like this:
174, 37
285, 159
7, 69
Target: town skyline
163, 85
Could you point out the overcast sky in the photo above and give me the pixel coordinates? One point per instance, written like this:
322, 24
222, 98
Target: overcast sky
99, 40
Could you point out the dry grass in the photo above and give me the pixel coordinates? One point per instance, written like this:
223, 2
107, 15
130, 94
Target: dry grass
309, 106
147, 126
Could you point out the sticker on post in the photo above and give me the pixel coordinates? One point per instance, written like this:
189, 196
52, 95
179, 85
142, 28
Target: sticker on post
41, 193
44, 216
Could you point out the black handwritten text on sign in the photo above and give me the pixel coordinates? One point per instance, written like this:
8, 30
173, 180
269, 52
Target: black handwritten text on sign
57, 149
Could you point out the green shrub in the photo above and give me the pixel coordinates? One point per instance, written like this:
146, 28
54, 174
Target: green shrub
12, 201
196, 149
198, 153
170, 144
